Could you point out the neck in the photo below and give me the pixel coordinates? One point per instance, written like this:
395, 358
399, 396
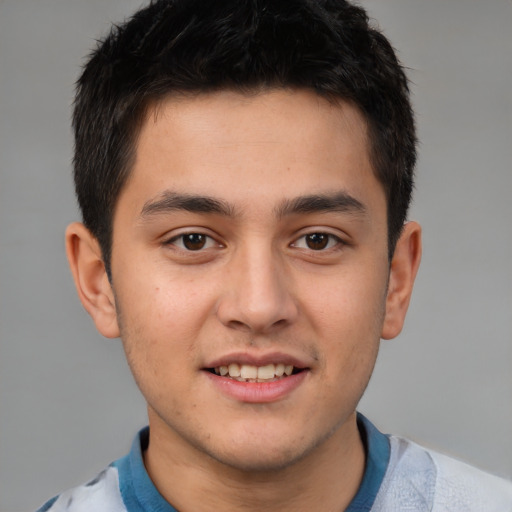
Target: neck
327, 477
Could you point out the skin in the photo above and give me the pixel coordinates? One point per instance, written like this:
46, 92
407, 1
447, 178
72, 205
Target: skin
258, 288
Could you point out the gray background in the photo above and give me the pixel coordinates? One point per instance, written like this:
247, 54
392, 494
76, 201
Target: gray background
68, 404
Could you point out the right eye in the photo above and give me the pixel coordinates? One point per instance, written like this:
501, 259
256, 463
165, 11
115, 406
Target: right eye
192, 241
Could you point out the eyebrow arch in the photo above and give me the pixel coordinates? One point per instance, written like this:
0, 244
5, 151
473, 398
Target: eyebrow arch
171, 201
338, 202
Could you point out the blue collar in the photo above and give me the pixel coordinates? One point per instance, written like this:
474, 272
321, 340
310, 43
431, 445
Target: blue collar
138, 491
377, 459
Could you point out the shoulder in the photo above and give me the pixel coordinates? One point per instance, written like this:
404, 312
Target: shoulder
101, 494
423, 480
468, 487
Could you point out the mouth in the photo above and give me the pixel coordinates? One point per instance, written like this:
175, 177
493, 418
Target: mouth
257, 378
260, 374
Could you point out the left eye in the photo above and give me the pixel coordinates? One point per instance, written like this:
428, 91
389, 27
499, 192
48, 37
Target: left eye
192, 241
317, 241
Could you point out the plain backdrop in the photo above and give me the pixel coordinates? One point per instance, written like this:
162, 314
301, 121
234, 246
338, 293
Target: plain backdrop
68, 406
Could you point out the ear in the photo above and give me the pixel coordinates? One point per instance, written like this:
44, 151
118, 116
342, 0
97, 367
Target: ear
404, 267
91, 280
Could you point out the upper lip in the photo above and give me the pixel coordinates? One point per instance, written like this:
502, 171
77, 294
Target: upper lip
257, 360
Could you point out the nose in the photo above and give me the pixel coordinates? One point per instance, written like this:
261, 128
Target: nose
258, 294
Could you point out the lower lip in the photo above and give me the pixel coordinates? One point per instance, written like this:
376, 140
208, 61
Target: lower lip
257, 392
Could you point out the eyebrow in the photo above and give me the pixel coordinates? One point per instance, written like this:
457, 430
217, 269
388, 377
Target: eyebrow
172, 201
341, 202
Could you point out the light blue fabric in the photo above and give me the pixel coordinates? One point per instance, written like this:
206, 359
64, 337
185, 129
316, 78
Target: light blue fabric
99, 495
399, 476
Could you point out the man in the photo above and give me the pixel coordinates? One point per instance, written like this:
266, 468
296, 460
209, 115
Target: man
244, 171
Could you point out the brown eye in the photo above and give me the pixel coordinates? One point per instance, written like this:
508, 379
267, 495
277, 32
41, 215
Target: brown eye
317, 241
194, 241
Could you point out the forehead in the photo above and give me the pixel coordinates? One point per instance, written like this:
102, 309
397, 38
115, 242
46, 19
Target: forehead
269, 146
268, 116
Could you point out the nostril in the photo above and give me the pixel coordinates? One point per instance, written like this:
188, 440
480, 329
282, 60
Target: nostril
239, 326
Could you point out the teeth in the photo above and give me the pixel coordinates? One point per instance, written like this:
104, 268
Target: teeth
266, 372
250, 372
279, 370
234, 370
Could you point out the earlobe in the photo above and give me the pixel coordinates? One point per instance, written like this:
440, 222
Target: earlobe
91, 280
404, 267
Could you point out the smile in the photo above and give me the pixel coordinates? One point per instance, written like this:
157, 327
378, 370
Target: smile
251, 373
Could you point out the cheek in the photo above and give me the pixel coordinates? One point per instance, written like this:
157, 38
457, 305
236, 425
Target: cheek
347, 318
158, 325
156, 347
163, 301
351, 305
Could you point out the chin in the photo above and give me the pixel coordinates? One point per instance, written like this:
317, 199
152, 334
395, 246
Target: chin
261, 453
259, 460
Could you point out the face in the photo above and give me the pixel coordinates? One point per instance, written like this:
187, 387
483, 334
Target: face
250, 273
